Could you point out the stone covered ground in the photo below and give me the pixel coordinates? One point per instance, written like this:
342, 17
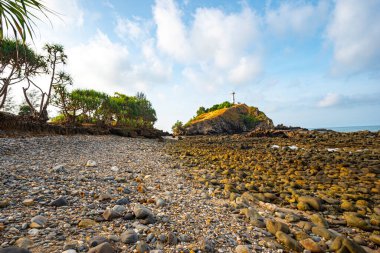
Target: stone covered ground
314, 193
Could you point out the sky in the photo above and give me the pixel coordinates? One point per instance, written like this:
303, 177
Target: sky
304, 63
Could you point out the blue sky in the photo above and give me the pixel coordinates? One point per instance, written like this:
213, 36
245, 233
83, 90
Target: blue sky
304, 63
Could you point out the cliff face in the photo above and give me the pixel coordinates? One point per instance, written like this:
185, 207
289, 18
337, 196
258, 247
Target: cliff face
236, 119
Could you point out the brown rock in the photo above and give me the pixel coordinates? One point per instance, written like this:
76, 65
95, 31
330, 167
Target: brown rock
274, 226
309, 244
86, 223
318, 220
288, 242
342, 244
102, 248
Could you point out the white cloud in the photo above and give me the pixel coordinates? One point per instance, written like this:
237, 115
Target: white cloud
223, 38
136, 29
246, 70
99, 64
329, 100
213, 41
171, 32
297, 17
354, 32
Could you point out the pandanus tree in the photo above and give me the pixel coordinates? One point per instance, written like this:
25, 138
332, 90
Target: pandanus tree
17, 63
18, 17
55, 57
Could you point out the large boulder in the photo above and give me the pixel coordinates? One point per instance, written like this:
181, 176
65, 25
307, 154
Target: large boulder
236, 119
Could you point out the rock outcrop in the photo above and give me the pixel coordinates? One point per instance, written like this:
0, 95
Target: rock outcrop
236, 119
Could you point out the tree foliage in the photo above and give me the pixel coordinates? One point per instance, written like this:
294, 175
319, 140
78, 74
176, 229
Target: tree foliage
17, 63
18, 15
89, 106
54, 58
178, 128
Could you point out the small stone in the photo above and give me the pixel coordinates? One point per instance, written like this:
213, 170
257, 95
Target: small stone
38, 222
206, 245
242, 249
129, 216
114, 168
97, 240
86, 223
4, 203
59, 168
113, 238
61, 201
33, 232
70, 251
28, 202
119, 209
2, 226
104, 196
141, 212
172, 239
102, 248
24, 242
123, 201
160, 202
91, 163
142, 247
309, 244
70, 245
129, 236
110, 214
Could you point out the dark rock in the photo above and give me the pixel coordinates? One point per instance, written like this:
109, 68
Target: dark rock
61, 201
129, 216
110, 214
14, 250
129, 236
123, 201
142, 247
105, 247
97, 240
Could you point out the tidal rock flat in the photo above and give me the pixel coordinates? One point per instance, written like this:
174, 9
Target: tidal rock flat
112, 194
306, 191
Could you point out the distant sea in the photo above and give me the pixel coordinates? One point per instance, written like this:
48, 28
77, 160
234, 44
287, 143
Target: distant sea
348, 129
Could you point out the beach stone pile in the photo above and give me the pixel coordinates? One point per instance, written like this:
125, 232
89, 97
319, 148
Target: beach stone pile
105, 194
311, 192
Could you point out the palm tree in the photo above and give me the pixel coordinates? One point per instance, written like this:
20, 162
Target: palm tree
18, 15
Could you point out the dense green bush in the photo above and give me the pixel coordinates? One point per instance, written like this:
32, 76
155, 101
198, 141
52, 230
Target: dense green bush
90, 106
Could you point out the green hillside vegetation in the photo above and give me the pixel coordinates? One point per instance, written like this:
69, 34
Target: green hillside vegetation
206, 113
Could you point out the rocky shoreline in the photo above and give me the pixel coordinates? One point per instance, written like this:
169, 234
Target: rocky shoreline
202, 194
312, 191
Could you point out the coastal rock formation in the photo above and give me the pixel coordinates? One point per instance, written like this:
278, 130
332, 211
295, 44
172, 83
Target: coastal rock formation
236, 119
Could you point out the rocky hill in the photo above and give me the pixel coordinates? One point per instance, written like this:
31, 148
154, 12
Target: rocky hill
236, 119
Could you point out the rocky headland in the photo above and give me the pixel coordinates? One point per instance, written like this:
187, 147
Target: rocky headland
235, 119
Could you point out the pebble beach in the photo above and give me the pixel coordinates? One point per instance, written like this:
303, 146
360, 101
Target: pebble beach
202, 194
